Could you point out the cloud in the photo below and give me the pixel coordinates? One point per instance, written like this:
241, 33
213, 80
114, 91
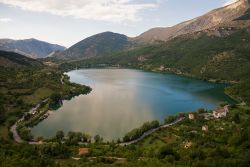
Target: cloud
5, 20
229, 2
102, 10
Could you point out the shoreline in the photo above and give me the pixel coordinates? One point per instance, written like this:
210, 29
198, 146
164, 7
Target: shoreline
14, 127
33, 111
211, 80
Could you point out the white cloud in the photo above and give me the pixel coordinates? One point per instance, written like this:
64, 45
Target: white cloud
104, 10
5, 20
229, 2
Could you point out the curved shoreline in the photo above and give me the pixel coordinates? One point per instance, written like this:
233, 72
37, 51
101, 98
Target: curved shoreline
18, 139
13, 128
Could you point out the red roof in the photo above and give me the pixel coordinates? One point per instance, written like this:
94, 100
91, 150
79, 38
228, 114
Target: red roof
83, 151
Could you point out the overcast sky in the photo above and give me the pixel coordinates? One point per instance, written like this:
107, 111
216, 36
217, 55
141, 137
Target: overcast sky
66, 22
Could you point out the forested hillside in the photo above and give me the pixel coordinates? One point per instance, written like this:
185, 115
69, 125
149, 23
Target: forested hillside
221, 54
10, 59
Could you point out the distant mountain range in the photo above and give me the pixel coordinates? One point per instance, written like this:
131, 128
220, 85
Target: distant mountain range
11, 59
30, 47
220, 23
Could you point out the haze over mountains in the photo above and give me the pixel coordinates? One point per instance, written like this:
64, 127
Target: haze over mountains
30, 47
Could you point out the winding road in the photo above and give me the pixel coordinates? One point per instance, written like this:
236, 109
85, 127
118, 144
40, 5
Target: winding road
62, 79
151, 131
13, 128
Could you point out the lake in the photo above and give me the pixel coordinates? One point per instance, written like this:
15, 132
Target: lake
123, 99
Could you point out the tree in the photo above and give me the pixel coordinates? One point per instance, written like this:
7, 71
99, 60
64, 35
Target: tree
25, 134
170, 119
236, 118
118, 140
2, 114
60, 135
201, 110
165, 150
55, 99
98, 139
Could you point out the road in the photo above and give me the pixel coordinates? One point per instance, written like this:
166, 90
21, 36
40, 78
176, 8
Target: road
62, 79
150, 132
13, 128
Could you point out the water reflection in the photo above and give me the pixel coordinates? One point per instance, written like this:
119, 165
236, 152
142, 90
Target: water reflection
123, 99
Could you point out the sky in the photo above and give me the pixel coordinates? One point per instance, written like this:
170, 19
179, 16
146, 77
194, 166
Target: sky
66, 22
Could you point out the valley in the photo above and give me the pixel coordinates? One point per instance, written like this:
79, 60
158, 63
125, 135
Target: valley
172, 96
132, 95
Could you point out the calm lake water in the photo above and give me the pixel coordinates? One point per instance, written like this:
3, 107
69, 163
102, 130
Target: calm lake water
123, 99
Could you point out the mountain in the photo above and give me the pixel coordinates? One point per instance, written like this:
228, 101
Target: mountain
220, 52
96, 45
11, 59
107, 43
30, 47
218, 16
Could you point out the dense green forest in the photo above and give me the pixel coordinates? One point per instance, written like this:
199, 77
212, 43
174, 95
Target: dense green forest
184, 144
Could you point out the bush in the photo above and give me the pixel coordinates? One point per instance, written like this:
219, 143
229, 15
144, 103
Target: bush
170, 119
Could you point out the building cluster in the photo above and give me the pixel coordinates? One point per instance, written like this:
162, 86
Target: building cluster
219, 113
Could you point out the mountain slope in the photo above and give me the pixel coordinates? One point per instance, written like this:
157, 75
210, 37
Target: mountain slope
221, 52
218, 16
29, 47
96, 45
11, 59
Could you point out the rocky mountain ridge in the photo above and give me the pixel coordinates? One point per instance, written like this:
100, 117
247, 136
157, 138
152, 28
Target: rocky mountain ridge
223, 15
30, 47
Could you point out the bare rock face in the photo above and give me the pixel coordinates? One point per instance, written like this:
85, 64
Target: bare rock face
214, 18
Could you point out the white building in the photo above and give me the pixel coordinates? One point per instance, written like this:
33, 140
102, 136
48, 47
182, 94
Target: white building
191, 116
221, 112
204, 128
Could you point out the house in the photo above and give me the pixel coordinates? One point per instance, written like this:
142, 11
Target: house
221, 112
162, 67
191, 116
83, 150
207, 116
187, 144
141, 58
204, 128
